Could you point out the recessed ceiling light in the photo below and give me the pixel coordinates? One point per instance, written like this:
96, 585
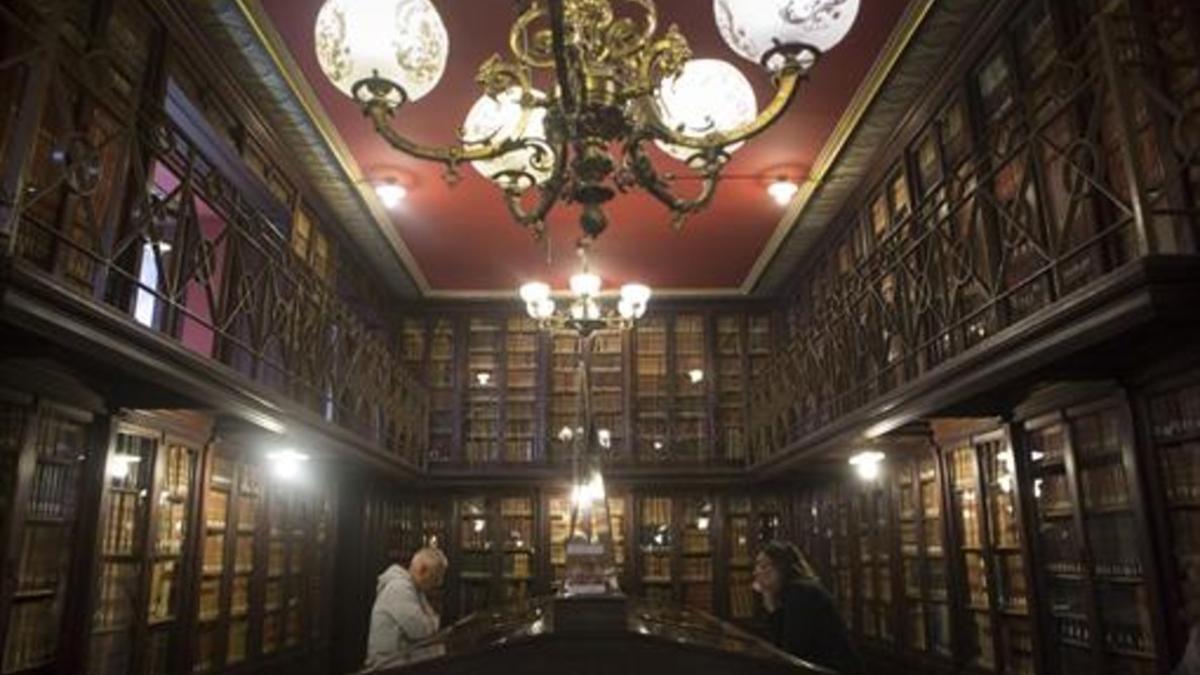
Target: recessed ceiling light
390, 193
782, 191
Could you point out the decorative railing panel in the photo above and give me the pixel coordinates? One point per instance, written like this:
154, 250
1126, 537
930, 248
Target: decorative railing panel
122, 203
1052, 169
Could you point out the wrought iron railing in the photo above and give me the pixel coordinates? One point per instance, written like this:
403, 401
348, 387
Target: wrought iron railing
1089, 161
119, 204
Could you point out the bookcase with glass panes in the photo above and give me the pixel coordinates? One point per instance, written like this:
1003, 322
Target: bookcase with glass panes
696, 552
995, 622
442, 377
497, 550
872, 522
1089, 540
740, 549
144, 534
926, 607
656, 540
520, 409
565, 407
731, 358
483, 404
49, 445
652, 397
1172, 411
688, 386
606, 368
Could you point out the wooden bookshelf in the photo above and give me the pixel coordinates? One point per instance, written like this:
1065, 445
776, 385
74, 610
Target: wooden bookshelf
740, 559
1091, 539
1173, 414
731, 357
696, 551
689, 382
651, 390
52, 442
872, 515
607, 372
476, 562
656, 546
520, 408
565, 408
144, 532
483, 405
442, 376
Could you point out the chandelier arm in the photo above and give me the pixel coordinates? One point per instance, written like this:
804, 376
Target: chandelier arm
787, 86
649, 28
549, 196
380, 114
647, 177
518, 41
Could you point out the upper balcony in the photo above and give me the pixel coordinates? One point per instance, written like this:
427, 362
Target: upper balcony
1049, 201
147, 221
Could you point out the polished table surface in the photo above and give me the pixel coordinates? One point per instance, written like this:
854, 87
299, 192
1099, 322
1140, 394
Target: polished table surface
586, 635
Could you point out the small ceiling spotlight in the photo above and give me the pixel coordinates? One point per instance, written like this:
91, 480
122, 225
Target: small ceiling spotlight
391, 193
783, 190
867, 464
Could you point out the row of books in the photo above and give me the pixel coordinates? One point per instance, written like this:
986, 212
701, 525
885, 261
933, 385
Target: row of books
963, 468
1176, 413
699, 596
517, 565
1114, 543
60, 438
1104, 487
1097, 434
114, 601
172, 526
32, 634
741, 594
696, 569
1180, 467
656, 566
163, 590
54, 491
696, 540
120, 523
43, 558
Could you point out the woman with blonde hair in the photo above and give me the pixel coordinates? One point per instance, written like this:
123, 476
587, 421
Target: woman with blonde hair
801, 615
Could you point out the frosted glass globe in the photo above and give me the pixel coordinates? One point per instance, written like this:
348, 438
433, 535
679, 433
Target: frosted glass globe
494, 119
708, 96
403, 41
752, 28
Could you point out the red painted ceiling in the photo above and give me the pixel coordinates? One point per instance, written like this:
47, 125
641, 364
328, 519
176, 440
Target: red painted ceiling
462, 237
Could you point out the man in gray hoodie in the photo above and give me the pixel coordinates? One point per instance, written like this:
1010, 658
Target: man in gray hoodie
402, 614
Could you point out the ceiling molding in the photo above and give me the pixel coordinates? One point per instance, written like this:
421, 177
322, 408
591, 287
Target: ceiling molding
254, 52
920, 45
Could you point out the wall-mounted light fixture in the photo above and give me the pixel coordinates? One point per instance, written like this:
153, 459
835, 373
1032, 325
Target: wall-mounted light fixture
867, 464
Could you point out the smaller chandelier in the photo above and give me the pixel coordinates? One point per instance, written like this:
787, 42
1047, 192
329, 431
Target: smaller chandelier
585, 313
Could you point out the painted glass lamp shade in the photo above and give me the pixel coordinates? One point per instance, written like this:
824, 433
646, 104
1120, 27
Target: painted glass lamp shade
708, 96
403, 41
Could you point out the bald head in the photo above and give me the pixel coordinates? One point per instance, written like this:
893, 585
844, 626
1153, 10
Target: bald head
427, 568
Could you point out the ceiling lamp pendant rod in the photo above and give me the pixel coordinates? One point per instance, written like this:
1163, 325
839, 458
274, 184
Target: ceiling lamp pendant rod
618, 86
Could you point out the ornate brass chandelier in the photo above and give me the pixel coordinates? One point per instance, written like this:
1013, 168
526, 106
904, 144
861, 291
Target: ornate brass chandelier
590, 85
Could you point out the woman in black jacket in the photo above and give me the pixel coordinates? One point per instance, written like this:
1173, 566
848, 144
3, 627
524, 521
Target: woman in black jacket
801, 615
